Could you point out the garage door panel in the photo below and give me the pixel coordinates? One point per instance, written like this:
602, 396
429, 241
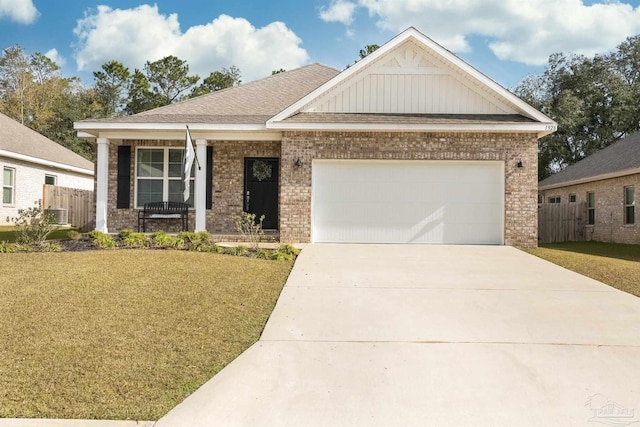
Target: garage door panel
408, 201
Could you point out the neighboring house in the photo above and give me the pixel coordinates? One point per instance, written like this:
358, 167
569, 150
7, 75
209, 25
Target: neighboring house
411, 144
28, 161
606, 182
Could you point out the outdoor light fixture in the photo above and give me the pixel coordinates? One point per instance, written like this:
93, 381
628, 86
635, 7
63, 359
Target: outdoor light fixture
519, 164
297, 163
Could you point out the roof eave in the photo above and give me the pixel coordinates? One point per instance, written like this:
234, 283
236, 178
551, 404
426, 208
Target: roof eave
541, 129
586, 180
47, 163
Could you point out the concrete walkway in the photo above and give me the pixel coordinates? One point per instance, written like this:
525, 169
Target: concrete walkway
396, 335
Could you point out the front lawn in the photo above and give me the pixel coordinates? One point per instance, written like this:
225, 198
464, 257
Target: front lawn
615, 264
8, 233
124, 334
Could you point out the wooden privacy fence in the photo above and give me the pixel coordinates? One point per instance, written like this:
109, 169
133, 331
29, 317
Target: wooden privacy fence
561, 222
79, 204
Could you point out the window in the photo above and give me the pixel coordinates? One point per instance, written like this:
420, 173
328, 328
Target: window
572, 198
554, 199
8, 185
540, 199
629, 205
159, 176
591, 208
50, 179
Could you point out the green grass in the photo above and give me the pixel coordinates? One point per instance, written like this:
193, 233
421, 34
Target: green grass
615, 264
124, 334
8, 233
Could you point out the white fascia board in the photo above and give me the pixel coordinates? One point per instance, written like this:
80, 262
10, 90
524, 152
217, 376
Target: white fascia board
602, 177
540, 128
91, 127
42, 162
411, 32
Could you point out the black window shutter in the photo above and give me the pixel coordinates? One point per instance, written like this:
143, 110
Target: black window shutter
209, 178
124, 177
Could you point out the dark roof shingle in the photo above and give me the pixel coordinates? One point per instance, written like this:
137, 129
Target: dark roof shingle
617, 157
20, 139
250, 103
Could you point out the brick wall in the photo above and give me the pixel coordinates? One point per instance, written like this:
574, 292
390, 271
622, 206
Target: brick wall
228, 178
609, 210
295, 183
520, 183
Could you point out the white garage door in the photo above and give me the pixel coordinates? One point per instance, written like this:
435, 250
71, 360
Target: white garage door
406, 201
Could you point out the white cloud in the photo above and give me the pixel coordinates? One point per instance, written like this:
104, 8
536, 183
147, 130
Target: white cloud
339, 11
22, 11
55, 56
522, 31
133, 36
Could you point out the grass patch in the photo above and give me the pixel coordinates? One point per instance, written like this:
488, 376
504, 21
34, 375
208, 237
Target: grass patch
8, 233
124, 334
615, 264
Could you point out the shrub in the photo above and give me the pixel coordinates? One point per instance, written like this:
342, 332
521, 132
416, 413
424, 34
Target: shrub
288, 248
261, 254
135, 240
161, 239
238, 250
123, 234
247, 226
195, 241
6, 247
33, 225
281, 256
74, 235
51, 247
102, 240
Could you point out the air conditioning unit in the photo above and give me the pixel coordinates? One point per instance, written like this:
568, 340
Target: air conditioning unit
60, 215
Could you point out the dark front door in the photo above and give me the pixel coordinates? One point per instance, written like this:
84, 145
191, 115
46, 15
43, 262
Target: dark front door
261, 190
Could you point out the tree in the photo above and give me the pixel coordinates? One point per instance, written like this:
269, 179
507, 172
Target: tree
140, 97
281, 70
217, 80
15, 80
111, 88
169, 78
594, 100
368, 50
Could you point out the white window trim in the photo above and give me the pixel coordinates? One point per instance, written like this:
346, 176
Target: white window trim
629, 205
12, 186
589, 208
55, 178
165, 175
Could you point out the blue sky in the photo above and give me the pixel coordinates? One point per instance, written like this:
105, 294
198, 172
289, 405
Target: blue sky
505, 39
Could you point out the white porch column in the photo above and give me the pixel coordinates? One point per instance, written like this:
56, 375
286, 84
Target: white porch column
201, 185
102, 184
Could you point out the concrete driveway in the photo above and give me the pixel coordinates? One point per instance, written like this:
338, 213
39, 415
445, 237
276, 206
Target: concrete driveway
398, 335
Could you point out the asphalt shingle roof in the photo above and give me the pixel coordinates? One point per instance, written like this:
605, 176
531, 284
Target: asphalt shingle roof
250, 103
619, 156
19, 139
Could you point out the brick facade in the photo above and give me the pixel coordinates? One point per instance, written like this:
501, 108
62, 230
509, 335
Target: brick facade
609, 210
295, 182
520, 183
228, 184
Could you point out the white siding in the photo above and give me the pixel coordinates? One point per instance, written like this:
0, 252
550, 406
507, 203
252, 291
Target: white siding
29, 179
412, 82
